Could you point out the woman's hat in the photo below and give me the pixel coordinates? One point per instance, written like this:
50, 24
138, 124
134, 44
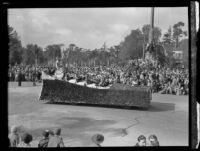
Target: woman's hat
98, 138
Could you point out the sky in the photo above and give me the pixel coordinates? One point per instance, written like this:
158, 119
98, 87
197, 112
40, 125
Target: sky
88, 28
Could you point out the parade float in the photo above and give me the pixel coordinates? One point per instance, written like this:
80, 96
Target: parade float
55, 90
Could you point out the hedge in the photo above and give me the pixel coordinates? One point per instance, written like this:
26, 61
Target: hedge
117, 95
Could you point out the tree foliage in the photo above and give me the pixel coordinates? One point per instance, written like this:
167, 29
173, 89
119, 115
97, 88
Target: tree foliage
15, 47
157, 33
33, 54
80, 56
132, 47
52, 52
168, 37
178, 32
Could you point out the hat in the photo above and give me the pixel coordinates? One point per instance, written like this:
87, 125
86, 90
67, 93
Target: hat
98, 138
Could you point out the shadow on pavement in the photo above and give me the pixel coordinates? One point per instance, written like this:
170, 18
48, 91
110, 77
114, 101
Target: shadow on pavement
161, 107
154, 106
98, 105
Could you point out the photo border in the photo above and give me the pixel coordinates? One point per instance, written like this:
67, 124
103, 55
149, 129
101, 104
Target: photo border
9, 4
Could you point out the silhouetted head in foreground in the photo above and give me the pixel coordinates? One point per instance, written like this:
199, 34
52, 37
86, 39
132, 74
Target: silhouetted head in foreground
98, 139
153, 140
141, 141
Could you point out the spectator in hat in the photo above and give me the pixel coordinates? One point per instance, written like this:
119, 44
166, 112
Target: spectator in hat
56, 140
14, 137
141, 141
43, 143
26, 140
98, 139
153, 140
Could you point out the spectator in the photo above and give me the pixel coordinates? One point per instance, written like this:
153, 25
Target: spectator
34, 77
141, 141
26, 140
153, 140
98, 139
14, 137
19, 77
56, 140
43, 143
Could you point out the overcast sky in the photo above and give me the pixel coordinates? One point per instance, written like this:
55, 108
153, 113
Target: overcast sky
88, 27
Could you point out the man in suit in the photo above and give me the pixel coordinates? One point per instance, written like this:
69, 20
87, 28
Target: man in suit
141, 141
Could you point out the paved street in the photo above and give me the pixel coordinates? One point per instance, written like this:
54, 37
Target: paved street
167, 118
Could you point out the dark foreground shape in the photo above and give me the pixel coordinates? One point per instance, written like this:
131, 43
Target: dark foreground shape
118, 95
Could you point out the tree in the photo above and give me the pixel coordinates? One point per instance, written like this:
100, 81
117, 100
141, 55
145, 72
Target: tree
132, 46
184, 47
41, 58
168, 37
169, 44
15, 47
52, 52
117, 50
178, 32
32, 54
93, 56
157, 33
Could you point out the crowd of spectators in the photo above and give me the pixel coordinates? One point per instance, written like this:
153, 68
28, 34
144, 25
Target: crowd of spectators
28, 73
54, 139
137, 72
50, 138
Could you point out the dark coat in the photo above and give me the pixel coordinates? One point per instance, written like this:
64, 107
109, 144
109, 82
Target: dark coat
19, 77
43, 143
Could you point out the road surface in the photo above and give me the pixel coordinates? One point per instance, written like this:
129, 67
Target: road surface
167, 118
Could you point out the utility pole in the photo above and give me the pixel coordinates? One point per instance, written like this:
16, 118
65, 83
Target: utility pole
151, 34
148, 54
